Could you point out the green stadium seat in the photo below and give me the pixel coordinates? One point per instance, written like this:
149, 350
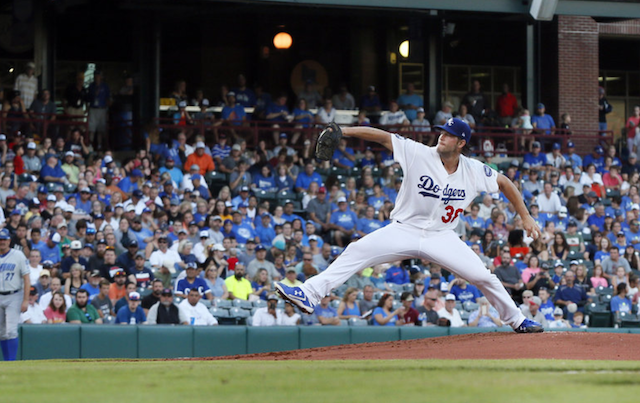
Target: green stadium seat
470, 306
629, 320
242, 304
265, 196
259, 303
222, 303
600, 319
219, 312
236, 312
339, 171
358, 322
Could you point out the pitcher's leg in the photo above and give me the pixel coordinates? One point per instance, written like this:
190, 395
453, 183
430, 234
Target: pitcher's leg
447, 250
393, 242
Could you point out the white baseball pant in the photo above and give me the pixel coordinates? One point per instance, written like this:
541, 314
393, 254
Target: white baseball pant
10, 306
399, 241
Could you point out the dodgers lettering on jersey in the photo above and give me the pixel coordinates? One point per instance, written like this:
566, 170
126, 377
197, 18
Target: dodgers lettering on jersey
430, 198
13, 265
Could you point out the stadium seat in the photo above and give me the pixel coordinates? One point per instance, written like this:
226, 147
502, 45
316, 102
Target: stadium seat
69, 188
629, 320
470, 306
249, 321
206, 302
397, 288
241, 303
408, 287
280, 304
339, 171
613, 193
340, 290
600, 319
360, 295
464, 315
222, 303
358, 322
344, 322
266, 196
144, 291
378, 294
396, 305
177, 300
219, 312
259, 303
604, 290
355, 172
236, 312
335, 303
253, 310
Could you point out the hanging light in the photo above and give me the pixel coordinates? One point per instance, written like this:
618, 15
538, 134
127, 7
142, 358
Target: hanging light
282, 40
404, 49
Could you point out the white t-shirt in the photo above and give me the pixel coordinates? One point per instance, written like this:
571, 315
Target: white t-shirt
454, 318
393, 118
157, 257
35, 314
262, 317
290, 320
197, 315
429, 197
549, 205
34, 274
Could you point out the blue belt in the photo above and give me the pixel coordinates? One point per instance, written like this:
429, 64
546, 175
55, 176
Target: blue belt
9, 292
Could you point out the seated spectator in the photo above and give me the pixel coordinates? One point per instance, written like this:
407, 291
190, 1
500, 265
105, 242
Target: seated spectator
327, 113
55, 286
411, 315
132, 313
34, 313
52, 172
56, 312
277, 113
397, 274
370, 101
193, 312
621, 277
558, 322
290, 317
620, 302
269, 315
570, 293
343, 156
326, 314
343, 99
238, 286
82, 312
450, 312
291, 277
343, 221
261, 285
543, 122
578, 319
428, 314
233, 113
534, 312
164, 312
485, 315
444, 114
200, 158
264, 180
215, 283
124, 301
103, 303
464, 291
383, 315
395, 116
192, 281
348, 307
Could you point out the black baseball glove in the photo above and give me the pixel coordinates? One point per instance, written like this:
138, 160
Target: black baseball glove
328, 141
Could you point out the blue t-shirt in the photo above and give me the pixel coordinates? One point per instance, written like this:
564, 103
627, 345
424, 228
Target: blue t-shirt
183, 286
268, 184
477, 222
127, 185
597, 162
55, 172
305, 120
543, 122
535, 160
597, 221
368, 226
327, 312
468, 294
397, 275
346, 219
339, 155
93, 291
275, 108
125, 315
303, 181
266, 234
238, 110
52, 254
243, 232
547, 309
415, 100
574, 294
376, 202
620, 304
380, 311
141, 235
246, 97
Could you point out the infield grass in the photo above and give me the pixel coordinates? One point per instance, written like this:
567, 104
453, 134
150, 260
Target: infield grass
391, 381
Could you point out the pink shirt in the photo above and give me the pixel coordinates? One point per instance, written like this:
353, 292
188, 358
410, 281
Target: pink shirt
599, 282
56, 317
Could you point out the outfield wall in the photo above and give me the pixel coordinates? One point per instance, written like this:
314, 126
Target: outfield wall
39, 342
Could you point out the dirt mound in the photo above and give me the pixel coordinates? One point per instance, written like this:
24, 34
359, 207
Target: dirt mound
550, 345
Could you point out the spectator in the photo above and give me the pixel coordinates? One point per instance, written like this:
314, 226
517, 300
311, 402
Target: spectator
27, 84
277, 113
558, 322
56, 286
572, 157
164, 312
52, 172
604, 107
291, 277
485, 315
42, 109
348, 307
395, 117
99, 100
410, 102
534, 312
56, 311
269, 315
370, 102
476, 101
326, 314
192, 281
510, 277
327, 113
34, 313
428, 314
132, 313
542, 122
343, 99
103, 303
506, 105
310, 94
343, 221
290, 317
75, 97
633, 123
620, 302
193, 312
444, 114
82, 312
570, 293
200, 158
610, 264
239, 287
233, 113
411, 316
450, 312
464, 291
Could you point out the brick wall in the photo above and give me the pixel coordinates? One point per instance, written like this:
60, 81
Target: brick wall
628, 27
578, 74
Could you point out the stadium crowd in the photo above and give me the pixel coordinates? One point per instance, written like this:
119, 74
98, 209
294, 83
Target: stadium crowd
194, 230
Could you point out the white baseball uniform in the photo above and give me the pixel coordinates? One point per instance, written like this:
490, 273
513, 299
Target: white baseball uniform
13, 266
427, 208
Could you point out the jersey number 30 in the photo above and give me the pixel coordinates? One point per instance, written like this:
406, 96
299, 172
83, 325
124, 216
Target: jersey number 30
451, 214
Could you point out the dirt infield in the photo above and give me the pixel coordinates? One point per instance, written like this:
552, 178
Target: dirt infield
550, 345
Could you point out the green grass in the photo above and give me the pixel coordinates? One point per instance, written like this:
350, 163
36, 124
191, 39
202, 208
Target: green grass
321, 381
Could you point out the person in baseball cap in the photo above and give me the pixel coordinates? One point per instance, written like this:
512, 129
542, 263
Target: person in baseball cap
133, 313
200, 158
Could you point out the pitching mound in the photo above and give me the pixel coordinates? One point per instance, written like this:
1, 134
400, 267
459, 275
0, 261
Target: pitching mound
551, 345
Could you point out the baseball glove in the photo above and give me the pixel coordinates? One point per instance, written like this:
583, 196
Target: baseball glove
328, 141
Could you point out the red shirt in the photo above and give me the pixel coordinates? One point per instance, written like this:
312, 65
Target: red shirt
631, 130
610, 181
506, 105
411, 316
18, 165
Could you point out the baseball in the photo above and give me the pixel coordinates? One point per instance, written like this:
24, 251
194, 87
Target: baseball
572, 307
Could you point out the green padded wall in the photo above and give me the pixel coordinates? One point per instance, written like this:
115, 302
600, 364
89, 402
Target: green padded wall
219, 341
266, 339
418, 332
41, 342
109, 341
366, 334
165, 341
323, 336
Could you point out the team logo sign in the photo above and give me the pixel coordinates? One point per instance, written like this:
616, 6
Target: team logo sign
488, 171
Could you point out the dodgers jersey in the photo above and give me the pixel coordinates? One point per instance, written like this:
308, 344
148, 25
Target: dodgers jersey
13, 265
429, 197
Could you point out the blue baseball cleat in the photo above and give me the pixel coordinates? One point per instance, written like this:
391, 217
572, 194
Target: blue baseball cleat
529, 326
296, 296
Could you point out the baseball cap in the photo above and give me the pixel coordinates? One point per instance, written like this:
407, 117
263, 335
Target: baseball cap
563, 212
205, 102
108, 159
133, 242
592, 194
540, 105
46, 272
558, 312
556, 146
136, 173
599, 149
458, 128
54, 237
31, 145
69, 154
91, 230
220, 248
236, 147
102, 241
134, 296
260, 247
192, 265
196, 177
322, 189
272, 297
4, 234
167, 292
129, 208
231, 94
574, 262
450, 297
244, 189
89, 245
620, 233
342, 199
137, 193
200, 144
95, 273
570, 144
140, 254
85, 190
560, 264
182, 104
283, 135
535, 301
76, 245
51, 198
420, 110
536, 144
406, 296
204, 234
313, 238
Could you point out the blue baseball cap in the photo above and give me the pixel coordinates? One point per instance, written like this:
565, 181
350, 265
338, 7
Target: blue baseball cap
136, 172
457, 128
540, 106
599, 149
43, 189
196, 176
4, 234
138, 193
570, 144
556, 146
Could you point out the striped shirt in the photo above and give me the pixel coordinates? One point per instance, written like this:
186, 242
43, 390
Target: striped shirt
28, 87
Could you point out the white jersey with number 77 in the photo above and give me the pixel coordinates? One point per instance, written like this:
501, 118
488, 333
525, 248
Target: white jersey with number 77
430, 197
